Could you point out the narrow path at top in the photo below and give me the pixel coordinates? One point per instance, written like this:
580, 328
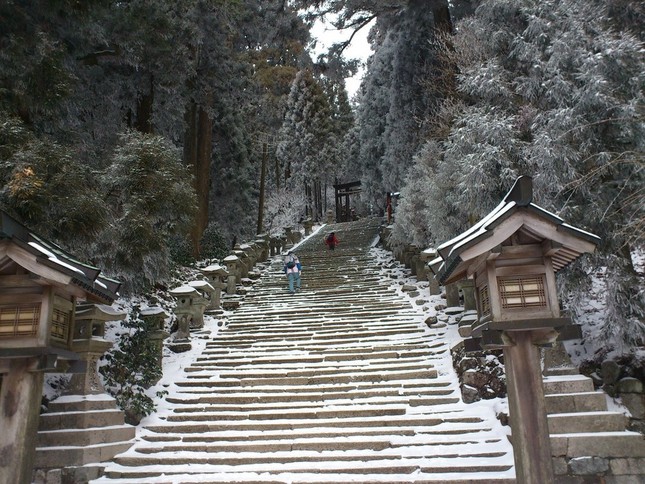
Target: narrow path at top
341, 382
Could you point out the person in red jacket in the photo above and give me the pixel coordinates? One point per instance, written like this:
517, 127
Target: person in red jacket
331, 240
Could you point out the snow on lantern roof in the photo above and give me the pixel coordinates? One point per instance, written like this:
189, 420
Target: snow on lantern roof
153, 311
203, 285
214, 269
48, 254
183, 290
516, 213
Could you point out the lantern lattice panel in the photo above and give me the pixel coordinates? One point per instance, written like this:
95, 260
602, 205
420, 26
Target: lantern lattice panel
484, 299
522, 292
19, 320
60, 324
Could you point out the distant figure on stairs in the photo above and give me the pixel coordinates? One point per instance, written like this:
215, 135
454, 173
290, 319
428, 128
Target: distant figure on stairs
292, 268
331, 240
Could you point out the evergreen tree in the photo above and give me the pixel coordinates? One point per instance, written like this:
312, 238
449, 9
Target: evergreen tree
306, 134
151, 199
550, 89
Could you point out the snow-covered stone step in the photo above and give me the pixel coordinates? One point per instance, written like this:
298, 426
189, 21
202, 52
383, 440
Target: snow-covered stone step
567, 384
419, 445
254, 380
576, 402
318, 462
325, 368
83, 437
307, 394
225, 359
307, 322
62, 456
599, 444
416, 477
79, 420
440, 423
357, 350
312, 363
350, 333
205, 414
582, 422
189, 406
414, 398
404, 386
429, 435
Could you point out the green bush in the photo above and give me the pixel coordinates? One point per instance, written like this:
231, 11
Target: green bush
132, 367
213, 245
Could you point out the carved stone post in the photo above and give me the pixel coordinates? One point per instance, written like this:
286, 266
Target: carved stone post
184, 310
215, 275
232, 263
156, 317
308, 225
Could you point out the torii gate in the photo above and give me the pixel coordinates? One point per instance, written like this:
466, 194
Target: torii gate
343, 191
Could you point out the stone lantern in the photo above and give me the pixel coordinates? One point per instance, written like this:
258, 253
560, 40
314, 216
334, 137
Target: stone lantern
308, 225
274, 244
263, 248
215, 274
244, 264
90, 345
40, 285
232, 263
512, 256
184, 310
205, 290
426, 256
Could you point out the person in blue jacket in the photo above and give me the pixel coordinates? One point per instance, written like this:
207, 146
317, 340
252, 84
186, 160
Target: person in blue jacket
292, 268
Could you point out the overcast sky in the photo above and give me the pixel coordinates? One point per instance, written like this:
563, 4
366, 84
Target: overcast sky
326, 35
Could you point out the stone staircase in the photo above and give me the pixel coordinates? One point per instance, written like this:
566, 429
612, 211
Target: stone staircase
341, 382
76, 435
588, 440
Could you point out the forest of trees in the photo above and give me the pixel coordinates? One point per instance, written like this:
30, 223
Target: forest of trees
135, 133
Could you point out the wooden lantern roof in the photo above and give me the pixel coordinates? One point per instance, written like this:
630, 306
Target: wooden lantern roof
21, 247
515, 220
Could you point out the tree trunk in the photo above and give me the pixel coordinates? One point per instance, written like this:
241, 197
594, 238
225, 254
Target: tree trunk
262, 187
197, 153
143, 122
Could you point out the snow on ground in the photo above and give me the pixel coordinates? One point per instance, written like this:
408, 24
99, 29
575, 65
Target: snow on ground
393, 275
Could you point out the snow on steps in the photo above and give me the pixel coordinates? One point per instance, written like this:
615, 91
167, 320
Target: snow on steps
341, 382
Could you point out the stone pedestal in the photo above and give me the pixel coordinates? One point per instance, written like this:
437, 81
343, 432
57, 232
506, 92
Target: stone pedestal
452, 295
467, 287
